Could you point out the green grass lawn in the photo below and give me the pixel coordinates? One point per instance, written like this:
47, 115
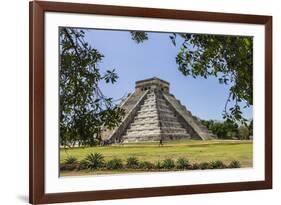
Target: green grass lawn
193, 150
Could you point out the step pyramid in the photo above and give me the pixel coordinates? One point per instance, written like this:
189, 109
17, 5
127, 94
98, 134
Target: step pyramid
152, 113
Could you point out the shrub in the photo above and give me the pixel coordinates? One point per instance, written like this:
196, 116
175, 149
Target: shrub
168, 164
205, 165
83, 165
158, 165
70, 160
234, 164
146, 165
94, 161
70, 164
217, 164
195, 166
114, 164
68, 167
182, 163
132, 162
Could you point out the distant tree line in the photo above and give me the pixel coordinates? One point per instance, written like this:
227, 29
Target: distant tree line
230, 130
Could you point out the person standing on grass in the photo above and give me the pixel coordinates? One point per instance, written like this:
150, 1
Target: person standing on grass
161, 142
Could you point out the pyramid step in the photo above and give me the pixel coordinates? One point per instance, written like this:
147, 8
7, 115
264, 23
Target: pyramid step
134, 134
146, 106
142, 120
155, 137
150, 99
137, 135
146, 127
147, 110
170, 123
144, 132
137, 138
142, 123
156, 134
144, 116
165, 111
143, 128
168, 118
155, 129
151, 113
161, 101
163, 106
172, 130
167, 115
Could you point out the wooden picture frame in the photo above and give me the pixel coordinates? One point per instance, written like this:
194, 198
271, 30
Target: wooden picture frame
37, 10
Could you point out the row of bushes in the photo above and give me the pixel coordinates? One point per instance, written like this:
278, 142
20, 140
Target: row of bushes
96, 161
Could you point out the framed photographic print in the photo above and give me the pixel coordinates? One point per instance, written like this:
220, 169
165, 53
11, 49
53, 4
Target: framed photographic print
132, 102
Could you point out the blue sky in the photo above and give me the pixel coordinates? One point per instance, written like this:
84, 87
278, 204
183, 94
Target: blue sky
155, 57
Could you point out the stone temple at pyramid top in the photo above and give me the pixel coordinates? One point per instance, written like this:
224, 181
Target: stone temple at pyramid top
152, 84
152, 113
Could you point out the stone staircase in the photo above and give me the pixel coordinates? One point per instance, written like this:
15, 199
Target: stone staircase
128, 104
154, 121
